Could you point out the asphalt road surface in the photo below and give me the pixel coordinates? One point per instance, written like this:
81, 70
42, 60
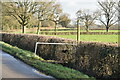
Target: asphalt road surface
13, 68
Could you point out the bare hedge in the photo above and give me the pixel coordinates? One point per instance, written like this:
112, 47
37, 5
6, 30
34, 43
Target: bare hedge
82, 33
96, 59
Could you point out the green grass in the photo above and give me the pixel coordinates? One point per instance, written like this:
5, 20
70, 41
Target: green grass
96, 38
55, 70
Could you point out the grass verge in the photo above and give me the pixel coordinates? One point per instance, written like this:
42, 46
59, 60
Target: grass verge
56, 70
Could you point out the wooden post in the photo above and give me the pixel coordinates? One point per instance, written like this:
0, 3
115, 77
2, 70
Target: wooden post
78, 31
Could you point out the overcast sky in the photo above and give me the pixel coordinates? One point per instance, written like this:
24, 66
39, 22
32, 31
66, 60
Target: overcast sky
71, 7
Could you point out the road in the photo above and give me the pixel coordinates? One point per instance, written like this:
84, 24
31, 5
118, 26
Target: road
13, 68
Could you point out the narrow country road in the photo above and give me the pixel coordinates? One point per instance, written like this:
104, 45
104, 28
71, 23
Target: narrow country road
13, 68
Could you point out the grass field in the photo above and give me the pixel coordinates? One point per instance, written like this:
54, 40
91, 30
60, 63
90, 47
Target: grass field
96, 38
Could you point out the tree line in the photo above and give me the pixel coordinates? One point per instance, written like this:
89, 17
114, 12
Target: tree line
50, 13
27, 12
107, 14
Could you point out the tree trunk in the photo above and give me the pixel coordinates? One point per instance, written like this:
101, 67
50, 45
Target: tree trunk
87, 29
55, 28
23, 29
38, 30
107, 27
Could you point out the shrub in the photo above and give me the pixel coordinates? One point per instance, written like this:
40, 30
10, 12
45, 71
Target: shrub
98, 60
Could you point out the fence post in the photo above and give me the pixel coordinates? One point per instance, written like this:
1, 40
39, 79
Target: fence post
78, 31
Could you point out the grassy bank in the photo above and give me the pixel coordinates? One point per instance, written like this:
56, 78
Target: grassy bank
55, 70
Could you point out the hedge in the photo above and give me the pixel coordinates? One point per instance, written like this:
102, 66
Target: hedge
82, 33
100, 60
57, 71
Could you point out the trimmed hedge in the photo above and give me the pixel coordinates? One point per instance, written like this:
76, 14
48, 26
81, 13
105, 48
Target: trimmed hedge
58, 71
96, 59
100, 60
61, 53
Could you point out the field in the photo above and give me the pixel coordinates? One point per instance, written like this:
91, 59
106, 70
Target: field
97, 38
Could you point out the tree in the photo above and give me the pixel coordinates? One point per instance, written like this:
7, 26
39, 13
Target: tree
21, 11
87, 17
7, 21
118, 6
55, 14
43, 9
0, 15
64, 20
118, 9
47, 23
108, 13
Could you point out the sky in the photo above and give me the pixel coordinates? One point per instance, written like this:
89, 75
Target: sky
72, 6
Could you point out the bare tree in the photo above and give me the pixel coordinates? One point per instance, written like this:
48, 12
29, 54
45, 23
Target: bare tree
43, 9
21, 11
87, 17
118, 10
108, 13
55, 15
